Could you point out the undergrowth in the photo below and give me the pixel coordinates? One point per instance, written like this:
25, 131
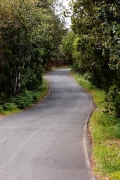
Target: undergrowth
105, 132
23, 100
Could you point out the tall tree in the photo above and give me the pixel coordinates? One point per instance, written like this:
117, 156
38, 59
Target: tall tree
27, 43
97, 26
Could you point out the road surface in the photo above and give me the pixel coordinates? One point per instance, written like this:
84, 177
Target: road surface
48, 141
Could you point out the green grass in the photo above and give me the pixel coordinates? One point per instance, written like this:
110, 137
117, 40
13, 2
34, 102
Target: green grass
23, 101
105, 133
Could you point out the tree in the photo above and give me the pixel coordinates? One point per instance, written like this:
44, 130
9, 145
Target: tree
27, 43
66, 48
92, 22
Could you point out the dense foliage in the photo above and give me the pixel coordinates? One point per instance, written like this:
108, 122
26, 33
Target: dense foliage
30, 34
96, 44
97, 26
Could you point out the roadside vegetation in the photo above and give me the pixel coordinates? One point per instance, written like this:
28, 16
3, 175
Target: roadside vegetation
30, 35
105, 132
24, 100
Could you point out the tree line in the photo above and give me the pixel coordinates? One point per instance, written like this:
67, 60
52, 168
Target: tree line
32, 37
30, 34
93, 46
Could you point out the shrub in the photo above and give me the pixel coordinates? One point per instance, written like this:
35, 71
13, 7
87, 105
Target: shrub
36, 96
117, 105
112, 101
25, 99
8, 106
1, 109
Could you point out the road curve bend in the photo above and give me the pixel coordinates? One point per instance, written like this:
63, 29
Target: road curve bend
48, 141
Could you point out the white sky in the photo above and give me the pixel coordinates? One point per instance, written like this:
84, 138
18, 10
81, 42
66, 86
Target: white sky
61, 5
65, 2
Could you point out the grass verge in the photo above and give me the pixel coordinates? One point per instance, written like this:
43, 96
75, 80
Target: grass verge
24, 100
105, 133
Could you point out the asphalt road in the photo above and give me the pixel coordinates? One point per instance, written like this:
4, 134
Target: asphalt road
48, 141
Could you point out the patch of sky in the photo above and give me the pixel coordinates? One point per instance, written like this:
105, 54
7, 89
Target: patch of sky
62, 9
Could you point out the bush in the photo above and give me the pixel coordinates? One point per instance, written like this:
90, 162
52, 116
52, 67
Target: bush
112, 101
35, 96
1, 109
117, 105
26, 99
23, 100
8, 106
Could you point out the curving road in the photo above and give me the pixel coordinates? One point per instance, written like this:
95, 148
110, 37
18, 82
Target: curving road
48, 141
